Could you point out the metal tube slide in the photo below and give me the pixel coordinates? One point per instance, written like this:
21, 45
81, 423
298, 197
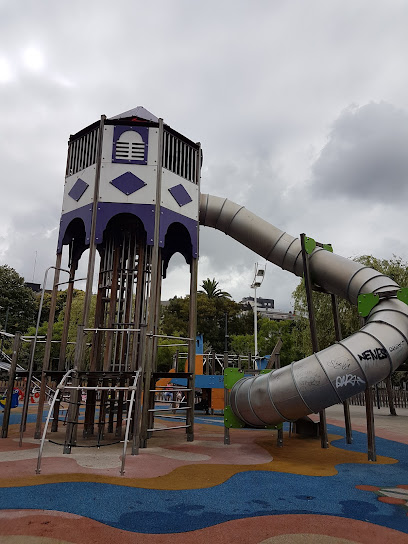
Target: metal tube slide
337, 372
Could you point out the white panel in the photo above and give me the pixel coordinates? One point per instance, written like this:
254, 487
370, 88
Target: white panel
108, 144
109, 193
153, 146
170, 180
87, 175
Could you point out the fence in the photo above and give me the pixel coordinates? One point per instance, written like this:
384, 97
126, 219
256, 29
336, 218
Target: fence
381, 398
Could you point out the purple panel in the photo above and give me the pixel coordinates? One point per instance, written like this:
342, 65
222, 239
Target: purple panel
118, 131
145, 212
78, 189
180, 195
167, 217
84, 213
128, 183
107, 210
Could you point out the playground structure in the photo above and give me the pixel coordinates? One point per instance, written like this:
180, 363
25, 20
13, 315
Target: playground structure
132, 194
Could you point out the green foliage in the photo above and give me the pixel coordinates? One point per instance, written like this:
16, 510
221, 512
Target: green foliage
210, 288
19, 299
166, 354
243, 344
268, 334
395, 268
61, 300
271, 331
210, 319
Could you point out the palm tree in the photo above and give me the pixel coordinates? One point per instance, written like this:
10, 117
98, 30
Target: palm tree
209, 288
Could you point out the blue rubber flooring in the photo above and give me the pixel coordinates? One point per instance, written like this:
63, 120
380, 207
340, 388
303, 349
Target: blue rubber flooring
244, 495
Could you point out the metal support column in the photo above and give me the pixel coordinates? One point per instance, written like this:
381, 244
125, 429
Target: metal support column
368, 395
192, 330
47, 348
152, 321
10, 386
390, 395
339, 336
64, 341
313, 333
227, 440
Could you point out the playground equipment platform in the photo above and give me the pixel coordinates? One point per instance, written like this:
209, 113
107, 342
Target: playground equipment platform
248, 492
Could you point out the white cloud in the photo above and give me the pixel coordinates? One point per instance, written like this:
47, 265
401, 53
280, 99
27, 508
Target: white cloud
33, 59
6, 72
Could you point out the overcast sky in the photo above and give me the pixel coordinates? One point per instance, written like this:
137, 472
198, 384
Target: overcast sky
301, 109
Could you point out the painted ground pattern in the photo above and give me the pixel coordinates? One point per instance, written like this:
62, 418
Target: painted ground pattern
251, 491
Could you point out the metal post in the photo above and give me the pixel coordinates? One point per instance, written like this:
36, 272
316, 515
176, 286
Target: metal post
390, 395
255, 327
137, 411
368, 394
67, 315
73, 409
26, 397
10, 387
313, 332
47, 349
92, 241
339, 336
226, 402
192, 330
155, 272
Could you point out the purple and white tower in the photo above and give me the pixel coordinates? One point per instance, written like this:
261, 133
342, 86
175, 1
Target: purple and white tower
132, 192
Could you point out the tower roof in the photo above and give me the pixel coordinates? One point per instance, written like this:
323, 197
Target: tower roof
140, 112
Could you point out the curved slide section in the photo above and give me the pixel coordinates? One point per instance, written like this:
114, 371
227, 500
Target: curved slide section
337, 372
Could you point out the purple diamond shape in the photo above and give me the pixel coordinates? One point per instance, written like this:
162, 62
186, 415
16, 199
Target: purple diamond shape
180, 195
128, 183
78, 189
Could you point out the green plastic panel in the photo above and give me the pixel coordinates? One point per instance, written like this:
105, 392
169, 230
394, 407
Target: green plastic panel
402, 294
230, 419
366, 303
232, 376
310, 245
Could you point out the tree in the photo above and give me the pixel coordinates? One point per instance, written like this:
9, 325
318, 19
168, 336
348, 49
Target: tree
395, 268
211, 313
269, 332
17, 302
210, 288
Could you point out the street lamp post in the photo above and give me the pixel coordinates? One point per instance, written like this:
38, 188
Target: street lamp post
257, 282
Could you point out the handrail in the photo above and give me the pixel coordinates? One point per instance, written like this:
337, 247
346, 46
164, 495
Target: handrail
112, 330
130, 409
59, 387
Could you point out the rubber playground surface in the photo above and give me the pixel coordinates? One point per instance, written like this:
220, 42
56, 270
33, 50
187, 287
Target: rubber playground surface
248, 492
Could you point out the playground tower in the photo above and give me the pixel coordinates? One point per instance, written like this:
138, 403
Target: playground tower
132, 193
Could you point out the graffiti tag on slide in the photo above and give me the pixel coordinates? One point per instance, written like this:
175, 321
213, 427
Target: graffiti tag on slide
373, 354
348, 379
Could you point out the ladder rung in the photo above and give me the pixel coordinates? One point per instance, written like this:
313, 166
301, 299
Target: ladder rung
168, 428
168, 409
168, 390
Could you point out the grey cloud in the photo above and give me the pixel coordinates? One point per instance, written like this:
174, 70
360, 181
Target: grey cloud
256, 83
366, 155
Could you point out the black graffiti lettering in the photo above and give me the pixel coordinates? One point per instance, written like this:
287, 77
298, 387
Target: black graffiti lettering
373, 354
341, 363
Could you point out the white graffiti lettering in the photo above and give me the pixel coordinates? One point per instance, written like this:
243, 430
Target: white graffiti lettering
348, 379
